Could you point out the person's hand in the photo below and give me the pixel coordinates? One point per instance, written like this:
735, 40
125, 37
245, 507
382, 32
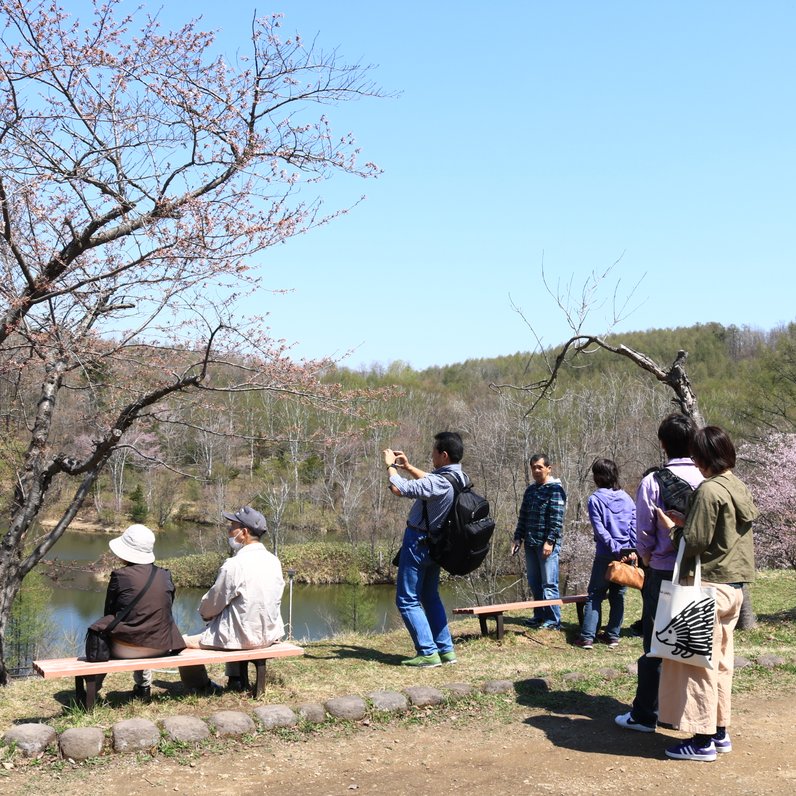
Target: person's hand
400, 459
547, 549
389, 456
515, 548
665, 519
677, 517
630, 558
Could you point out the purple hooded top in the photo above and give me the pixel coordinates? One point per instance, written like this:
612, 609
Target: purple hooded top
613, 517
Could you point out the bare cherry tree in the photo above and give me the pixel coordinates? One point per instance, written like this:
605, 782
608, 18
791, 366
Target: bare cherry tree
577, 308
140, 175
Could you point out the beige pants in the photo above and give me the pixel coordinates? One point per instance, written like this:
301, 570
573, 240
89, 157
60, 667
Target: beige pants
697, 700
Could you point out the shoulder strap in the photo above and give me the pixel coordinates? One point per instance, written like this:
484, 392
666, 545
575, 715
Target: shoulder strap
457, 488
123, 614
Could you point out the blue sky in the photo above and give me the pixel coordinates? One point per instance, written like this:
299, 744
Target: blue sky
569, 133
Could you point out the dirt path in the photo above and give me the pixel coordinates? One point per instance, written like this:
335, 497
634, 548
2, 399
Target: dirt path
534, 752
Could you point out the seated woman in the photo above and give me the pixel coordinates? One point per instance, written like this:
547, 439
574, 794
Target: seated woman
149, 630
242, 608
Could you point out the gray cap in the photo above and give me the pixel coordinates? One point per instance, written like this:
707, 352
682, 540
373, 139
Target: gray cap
249, 518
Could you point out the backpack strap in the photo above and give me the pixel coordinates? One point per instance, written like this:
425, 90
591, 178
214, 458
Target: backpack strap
457, 488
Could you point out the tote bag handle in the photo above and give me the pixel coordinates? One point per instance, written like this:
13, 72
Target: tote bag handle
679, 560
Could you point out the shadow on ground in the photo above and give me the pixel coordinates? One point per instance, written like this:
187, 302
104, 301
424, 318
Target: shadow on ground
585, 722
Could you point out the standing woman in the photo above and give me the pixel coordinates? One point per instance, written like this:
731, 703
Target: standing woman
613, 518
719, 530
149, 630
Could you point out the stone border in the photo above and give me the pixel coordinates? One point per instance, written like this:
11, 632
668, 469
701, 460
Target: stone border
143, 735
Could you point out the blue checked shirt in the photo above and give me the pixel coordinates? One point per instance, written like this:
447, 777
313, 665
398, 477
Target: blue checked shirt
541, 514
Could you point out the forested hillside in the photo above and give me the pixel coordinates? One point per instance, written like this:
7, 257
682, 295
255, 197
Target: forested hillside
317, 472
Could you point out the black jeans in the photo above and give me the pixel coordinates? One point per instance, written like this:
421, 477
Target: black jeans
645, 705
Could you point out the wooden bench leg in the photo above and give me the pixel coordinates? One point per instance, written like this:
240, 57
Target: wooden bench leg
260, 686
86, 690
498, 622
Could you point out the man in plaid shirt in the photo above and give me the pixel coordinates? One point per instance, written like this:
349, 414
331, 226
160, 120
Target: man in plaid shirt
540, 526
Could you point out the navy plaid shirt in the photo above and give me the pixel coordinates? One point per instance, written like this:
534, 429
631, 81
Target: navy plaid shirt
541, 514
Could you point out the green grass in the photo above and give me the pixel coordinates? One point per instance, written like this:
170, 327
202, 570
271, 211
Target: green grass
358, 663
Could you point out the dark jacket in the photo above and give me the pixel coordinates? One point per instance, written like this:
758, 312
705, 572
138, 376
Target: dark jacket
150, 623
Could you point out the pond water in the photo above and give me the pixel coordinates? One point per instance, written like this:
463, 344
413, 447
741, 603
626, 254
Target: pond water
317, 611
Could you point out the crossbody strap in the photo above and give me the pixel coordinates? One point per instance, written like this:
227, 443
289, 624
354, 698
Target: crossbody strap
123, 614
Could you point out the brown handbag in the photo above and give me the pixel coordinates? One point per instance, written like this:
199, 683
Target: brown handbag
625, 574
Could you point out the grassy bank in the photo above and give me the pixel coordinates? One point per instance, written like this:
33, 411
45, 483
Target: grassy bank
358, 664
317, 563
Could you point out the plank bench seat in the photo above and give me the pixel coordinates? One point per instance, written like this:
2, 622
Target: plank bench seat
484, 612
85, 673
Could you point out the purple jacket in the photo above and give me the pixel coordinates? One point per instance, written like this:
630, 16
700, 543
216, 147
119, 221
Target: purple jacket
653, 539
613, 518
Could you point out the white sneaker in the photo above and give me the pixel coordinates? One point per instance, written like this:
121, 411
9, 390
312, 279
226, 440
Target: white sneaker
626, 720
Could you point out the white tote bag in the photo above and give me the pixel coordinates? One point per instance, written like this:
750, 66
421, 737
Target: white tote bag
685, 619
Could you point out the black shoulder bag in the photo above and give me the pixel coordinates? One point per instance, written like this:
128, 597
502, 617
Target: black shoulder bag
98, 636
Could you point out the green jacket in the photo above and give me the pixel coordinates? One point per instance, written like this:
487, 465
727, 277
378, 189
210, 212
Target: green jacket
719, 530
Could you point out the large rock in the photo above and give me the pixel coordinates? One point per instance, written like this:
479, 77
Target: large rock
497, 687
271, 716
30, 739
313, 712
388, 701
185, 729
768, 661
232, 722
135, 735
457, 690
352, 708
535, 685
81, 743
422, 696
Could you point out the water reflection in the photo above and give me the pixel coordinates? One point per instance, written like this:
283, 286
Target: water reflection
318, 611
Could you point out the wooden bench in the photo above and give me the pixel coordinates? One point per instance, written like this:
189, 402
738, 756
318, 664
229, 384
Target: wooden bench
484, 612
85, 673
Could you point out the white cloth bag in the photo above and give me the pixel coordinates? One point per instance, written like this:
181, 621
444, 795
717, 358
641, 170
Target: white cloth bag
685, 619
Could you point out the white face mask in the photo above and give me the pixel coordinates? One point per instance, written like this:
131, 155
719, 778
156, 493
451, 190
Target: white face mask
234, 543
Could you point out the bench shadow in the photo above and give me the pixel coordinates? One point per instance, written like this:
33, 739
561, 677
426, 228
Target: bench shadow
585, 722
342, 651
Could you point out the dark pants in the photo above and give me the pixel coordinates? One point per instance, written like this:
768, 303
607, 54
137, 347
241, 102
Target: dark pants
645, 705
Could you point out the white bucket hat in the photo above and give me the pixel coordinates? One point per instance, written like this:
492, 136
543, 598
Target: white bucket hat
135, 545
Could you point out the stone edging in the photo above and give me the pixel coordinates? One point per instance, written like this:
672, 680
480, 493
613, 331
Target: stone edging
143, 735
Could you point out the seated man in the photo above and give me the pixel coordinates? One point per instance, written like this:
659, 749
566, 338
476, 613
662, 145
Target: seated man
242, 608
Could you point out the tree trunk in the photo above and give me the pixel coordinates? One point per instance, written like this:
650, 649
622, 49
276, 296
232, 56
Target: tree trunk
747, 620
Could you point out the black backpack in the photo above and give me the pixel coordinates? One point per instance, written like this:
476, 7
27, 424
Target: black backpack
675, 491
461, 543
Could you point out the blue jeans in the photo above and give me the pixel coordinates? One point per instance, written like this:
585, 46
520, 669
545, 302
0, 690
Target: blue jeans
543, 581
599, 589
645, 704
417, 596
